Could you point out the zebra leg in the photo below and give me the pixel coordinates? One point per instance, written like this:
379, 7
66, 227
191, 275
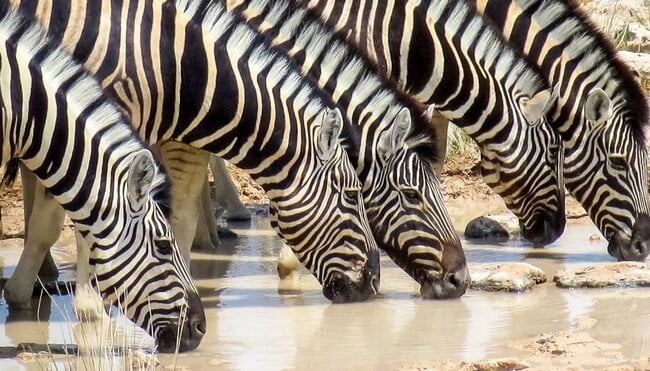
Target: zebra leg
184, 164
226, 193
288, 270
206, 236
88, 304
48, 272
41, 232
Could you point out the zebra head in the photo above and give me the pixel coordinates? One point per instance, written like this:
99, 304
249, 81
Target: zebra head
323, 218
613, 184
528, 176
141, 270
409, 220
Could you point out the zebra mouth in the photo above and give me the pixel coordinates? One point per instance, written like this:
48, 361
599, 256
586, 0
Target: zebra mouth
635, 248
169, 340
451, 285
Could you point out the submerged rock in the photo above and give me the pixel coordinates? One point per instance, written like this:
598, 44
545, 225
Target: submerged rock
494, 227
621, 274
514, 277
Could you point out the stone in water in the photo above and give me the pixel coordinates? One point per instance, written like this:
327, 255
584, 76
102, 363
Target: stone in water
516, 277
621, 274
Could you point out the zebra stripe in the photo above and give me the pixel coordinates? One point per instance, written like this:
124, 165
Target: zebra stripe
475, 80
56, 122
601, 114
229, 95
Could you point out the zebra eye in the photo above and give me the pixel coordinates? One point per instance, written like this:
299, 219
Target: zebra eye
351, 193
164, 247
618, 162
411, 194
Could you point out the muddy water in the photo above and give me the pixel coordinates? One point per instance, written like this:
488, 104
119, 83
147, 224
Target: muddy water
252, 326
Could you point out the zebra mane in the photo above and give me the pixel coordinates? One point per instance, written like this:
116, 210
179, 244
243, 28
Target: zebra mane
59, 70
601, 56
353, 64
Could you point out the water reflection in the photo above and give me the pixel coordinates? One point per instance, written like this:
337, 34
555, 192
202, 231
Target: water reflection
252, 326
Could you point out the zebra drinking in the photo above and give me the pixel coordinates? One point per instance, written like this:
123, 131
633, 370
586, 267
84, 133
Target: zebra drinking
56, 122
601, 114
222, 91
442, 54
405, 191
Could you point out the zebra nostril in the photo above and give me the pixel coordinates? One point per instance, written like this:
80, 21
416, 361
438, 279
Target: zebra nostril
199, 329
640, 249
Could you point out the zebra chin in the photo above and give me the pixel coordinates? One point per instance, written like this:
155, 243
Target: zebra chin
340, 288
192, 329
637, 248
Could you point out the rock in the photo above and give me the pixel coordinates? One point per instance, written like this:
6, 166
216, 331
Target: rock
621, 274
515, 277
500, 227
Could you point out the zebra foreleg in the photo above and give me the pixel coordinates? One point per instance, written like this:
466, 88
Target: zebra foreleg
48, 272
288, 270
184, 165
207, 235
42, 229
88, 303
225, 192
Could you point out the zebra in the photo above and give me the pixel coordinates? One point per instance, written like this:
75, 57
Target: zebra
261, 116
601, 114
416, 199
57, 123
476, 80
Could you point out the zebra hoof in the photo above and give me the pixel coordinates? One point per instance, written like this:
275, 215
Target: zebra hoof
18, 295
88, 304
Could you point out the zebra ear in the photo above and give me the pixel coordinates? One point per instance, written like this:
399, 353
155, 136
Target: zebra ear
535, 108
391, 141
330, 131
141, 175
598, 107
